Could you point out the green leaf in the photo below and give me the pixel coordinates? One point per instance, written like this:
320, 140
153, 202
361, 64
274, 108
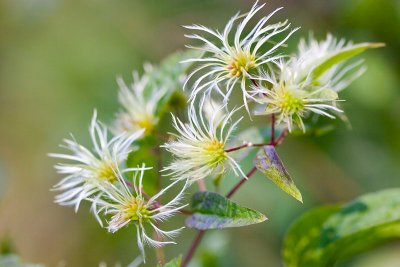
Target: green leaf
337, 235
302, 239
340, 56
363, 223
271, 165
176, 262
213, 211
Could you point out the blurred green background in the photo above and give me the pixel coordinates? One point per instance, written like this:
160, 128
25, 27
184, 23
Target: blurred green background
59, 60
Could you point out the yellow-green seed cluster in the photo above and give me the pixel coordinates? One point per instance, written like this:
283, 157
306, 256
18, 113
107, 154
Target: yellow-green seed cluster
136, 209
291, 102
243, 61
215, 150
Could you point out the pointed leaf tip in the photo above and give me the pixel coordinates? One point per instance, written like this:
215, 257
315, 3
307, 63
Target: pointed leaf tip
342, 55
213, 211
377, 45
269, 163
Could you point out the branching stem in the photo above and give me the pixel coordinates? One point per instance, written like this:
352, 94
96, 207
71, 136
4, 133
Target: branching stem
274, 142
244, 146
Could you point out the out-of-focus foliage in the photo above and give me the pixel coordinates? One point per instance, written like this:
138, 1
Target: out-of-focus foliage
327, 235
59, 60
13, 261
169, 74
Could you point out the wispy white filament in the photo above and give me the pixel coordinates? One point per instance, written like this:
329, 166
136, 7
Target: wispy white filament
293, 93
140, 102
86, 170
116, 201
227, 63
199, 149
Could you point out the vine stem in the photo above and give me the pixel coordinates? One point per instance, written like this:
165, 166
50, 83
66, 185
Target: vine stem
193, 248
273, 142
239, 147
241, 182
200, 233
272, 128
244, 146
281, 137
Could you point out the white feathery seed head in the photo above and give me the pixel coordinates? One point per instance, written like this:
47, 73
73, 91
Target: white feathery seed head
199, 148
312, 53
294, 93
212, 108
292, 100
140, 101
88, 169
226, 63
126, 203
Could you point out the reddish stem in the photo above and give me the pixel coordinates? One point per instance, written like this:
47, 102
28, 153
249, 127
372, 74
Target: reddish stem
281, 137
241, 182
200, 234
159, 251
193, 248
272, 129
239, 147
247, 145
272, 142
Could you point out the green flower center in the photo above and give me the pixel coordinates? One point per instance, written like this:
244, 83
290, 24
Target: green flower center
242, 61
135, 210
291, 102
215, 150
